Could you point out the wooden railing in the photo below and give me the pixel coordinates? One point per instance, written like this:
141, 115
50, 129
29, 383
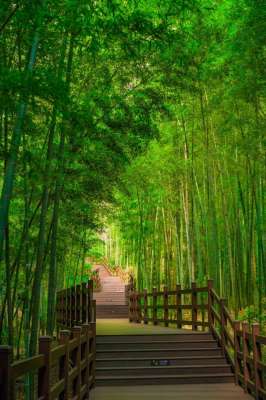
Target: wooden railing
75, 305
170, 306
64, 371
63, 368
195, 307
242, 345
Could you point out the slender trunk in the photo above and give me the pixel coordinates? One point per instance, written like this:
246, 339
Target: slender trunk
36, 290
9, 176
8, 290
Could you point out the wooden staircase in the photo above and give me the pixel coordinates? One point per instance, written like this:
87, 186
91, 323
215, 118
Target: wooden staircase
160, 359
111, 300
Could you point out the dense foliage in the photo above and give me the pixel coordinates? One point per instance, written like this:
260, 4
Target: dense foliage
193, 206
152, 110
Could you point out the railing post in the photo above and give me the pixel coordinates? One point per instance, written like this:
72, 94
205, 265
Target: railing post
134, 307
6, 382
131, 283
45, 346
154, 306
210, 305
130, 307
69, 308
78, 305
178, 307
245, 355
86, 330
73, 306
194, 304
223, 324
64, 339
138, 308
236, 350
77, 334
145, 306
165, 306
84, 303
90, 300
93, 351
57, 318
256, 360
64, 307
94, 315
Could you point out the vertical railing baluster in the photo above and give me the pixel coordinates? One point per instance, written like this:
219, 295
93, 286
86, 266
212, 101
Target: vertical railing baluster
78, 305
165, 306
194, 304
84, 303
210, 305
139, 314
130, 307
223, 324
44, 376
68, 307
245, 354
73, 306
178, 307
154, 306
77, 334
145, 306
90, 300
86, 331
257, 355
64, 339
237, 350
93, 351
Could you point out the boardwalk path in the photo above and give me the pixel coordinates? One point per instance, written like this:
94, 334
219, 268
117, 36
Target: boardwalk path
113, 296
112, 288
111, 300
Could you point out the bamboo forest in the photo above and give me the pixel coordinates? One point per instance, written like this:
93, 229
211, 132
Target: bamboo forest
132, 135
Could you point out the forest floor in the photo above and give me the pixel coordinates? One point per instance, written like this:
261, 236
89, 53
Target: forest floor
227, 391
124, 327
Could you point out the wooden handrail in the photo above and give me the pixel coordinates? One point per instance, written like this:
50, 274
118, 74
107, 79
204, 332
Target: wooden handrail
76, 343
50, 357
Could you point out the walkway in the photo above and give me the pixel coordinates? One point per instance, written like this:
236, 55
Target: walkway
225, 391
112, 288
113, 296
123, 327
111, 299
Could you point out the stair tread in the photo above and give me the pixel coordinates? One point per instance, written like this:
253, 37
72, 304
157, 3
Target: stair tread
130, 377
172, 332
156, 349
163, 358
169, 367
160, 342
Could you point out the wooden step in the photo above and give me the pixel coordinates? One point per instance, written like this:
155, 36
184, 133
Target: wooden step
147, 362
157, 353
163, 370
157, 345
173, 337
132, 380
